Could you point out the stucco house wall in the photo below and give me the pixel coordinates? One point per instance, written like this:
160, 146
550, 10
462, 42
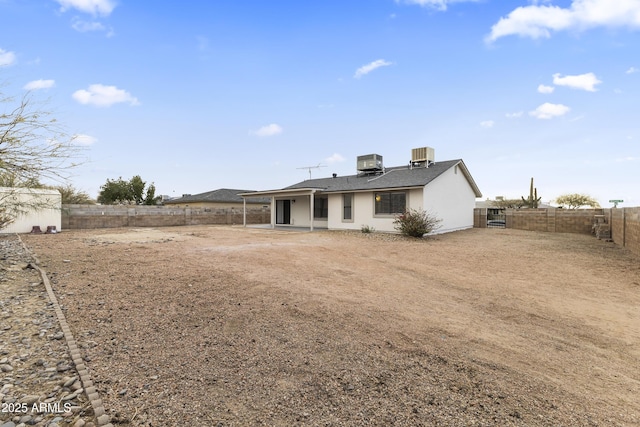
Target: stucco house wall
444, 189
450, 199
300, 211
48, 214
363, 211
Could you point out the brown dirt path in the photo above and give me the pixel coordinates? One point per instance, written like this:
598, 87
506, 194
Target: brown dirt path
233, 326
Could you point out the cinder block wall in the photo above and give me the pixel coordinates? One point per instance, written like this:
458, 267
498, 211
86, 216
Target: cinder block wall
624, 222
625, 227
527, 219
552, 220
108, 216
480, 218
575, 220
633, 229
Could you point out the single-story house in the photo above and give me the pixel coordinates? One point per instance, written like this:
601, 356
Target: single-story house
223, 198
29, 208
376, 195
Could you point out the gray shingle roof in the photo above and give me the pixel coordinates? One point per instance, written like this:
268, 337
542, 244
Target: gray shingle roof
395, 177
222, 195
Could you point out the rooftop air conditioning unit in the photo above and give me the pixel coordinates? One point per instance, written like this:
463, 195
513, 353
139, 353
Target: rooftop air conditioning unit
370, 163
423, 154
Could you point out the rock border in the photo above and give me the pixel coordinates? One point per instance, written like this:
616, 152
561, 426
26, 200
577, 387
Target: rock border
89, 389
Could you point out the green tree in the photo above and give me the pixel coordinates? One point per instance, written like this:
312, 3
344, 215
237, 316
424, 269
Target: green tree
120, 191
576, 201
150, 198
115, 191
137, 185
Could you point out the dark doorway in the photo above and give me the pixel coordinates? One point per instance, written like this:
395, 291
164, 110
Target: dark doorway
283, 211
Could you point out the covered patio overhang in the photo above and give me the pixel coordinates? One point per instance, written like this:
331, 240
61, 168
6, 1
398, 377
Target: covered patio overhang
275, 194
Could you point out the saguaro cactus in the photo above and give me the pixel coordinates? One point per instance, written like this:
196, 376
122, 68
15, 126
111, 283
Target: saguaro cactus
533, 200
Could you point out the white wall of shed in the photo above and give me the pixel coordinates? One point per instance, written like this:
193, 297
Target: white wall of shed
49, 216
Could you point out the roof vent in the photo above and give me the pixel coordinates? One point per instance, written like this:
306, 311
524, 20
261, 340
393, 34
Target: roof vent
370, 163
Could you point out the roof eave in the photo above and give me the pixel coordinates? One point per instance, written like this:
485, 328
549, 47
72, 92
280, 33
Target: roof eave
470, 179
288, 192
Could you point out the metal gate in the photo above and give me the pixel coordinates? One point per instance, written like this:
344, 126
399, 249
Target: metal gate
496, 220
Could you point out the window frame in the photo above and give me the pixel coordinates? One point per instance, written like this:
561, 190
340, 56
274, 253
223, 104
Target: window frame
344, 207
392, 205
321, 203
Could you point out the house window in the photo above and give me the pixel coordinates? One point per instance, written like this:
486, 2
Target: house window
390, 203
321, 207
347, 207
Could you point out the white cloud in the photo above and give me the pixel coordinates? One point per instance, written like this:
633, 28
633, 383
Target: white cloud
85, 26
628, 159
93, 7
487, 124
335, 158
546, 89
515, 115
7, 58
366, 69
104, 96
549, 111
539, 21
586, 81
632, 70
84, 140
269, 130
435, 4
40, 84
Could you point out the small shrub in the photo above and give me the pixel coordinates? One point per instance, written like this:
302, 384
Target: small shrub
367, 229
416, 223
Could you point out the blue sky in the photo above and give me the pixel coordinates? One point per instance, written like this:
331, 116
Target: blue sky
196, 96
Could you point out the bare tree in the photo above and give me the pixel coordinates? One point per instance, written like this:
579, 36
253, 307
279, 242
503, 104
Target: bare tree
576, 201
33, 147
508, 203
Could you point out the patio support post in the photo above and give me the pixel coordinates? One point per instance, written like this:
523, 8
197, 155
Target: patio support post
273, 211
244, 212
311, 200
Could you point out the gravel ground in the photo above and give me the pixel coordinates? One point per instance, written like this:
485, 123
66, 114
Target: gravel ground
38, 382
225, 326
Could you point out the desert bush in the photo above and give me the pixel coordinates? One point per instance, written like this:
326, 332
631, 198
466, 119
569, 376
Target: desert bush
367, 229
416, 223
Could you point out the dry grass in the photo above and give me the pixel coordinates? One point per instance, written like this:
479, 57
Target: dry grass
232, 326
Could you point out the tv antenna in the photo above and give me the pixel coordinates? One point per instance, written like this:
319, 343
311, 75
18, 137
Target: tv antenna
318, 166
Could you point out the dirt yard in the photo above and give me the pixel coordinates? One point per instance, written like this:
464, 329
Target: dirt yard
227, 326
